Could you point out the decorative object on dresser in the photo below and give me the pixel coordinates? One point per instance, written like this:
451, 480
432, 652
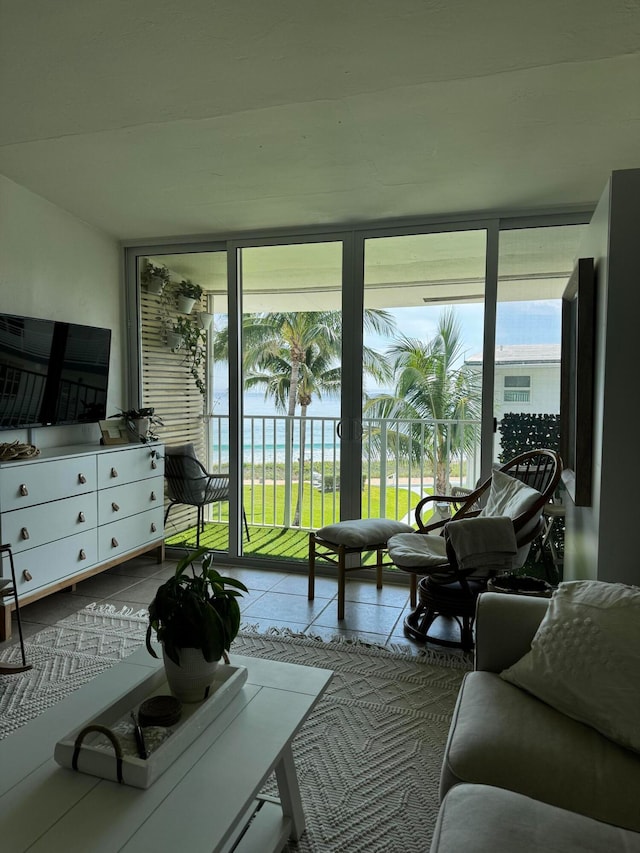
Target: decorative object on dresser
140, 424
72, 512
17, 450
196, 618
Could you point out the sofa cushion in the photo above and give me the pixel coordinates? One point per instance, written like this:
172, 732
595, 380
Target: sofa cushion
502, 736
362, 532
585, 658
491, 820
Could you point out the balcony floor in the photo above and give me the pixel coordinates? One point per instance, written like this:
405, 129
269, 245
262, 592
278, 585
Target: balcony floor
276, 600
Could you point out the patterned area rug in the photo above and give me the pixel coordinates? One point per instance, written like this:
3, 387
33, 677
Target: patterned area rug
368, 758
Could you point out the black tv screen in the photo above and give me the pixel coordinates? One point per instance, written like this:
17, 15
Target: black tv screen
52, 373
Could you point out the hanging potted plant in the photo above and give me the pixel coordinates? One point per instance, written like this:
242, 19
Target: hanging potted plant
154, 278
187, 294
184, 334
195, 616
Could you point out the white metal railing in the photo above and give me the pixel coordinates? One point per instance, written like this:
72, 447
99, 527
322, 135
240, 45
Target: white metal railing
403, 455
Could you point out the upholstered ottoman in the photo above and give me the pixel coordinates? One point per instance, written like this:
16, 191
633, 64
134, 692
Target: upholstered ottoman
335, 542
484, 819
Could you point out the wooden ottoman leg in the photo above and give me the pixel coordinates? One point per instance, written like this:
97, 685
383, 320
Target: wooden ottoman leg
380, 558
342, 578
312, 566
413, 589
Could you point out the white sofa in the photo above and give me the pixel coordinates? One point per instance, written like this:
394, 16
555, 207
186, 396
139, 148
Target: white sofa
520, 775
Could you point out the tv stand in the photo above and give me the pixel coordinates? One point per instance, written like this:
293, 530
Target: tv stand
73, 512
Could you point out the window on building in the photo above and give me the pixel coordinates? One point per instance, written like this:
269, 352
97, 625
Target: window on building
517, 389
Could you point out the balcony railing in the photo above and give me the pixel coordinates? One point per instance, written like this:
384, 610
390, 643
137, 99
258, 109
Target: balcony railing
402, 461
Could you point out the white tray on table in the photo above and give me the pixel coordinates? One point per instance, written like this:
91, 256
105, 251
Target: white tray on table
96, 754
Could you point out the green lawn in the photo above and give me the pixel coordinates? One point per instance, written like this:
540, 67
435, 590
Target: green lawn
290, 543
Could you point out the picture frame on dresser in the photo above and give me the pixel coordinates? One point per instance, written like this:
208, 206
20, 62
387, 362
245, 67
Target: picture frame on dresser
114, 432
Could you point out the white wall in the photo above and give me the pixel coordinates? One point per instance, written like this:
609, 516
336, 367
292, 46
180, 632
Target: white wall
53, 265
601, 540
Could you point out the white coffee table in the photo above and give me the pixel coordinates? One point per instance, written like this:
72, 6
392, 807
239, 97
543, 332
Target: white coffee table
203, 803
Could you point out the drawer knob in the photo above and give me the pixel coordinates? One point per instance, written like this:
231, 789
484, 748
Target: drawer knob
81, 516
114, 542
24, 491
154, 464
114, 472
24, 533
82, 555
82, 478
26, 574
153, 496
153, 527
114, 506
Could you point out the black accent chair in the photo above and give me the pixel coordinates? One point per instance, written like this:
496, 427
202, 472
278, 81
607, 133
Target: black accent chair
189, 483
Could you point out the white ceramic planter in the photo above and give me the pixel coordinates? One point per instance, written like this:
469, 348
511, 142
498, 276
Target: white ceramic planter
190, 681
185, 304
204, 319
174, 341
156, 285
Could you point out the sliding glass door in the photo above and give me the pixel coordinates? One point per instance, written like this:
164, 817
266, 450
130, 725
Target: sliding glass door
423, 321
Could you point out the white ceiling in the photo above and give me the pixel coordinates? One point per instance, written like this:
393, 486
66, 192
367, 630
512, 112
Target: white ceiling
150, 118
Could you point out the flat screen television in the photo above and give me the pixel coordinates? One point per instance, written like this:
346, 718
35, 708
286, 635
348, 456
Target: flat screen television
51, 372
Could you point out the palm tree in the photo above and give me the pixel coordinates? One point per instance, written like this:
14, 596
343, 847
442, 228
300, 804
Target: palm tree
434, 396
295, 357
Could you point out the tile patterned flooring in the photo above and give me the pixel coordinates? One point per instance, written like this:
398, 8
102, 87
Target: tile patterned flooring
275, 599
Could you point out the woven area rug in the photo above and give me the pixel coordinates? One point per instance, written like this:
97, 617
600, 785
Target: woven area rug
368, 758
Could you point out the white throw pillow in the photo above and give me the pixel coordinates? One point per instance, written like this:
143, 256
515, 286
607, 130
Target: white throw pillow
585, 658
508, 496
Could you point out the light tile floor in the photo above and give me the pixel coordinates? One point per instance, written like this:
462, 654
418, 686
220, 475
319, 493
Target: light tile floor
275, 600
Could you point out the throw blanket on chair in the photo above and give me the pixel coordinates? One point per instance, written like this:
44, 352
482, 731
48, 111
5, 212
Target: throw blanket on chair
483, 542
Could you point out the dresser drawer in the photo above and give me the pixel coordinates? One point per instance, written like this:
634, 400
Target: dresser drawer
41, 482
130, 533
125, 466
54, 561
129, 499
37, 525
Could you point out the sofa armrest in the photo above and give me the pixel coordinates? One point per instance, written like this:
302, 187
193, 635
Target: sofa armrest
505, 626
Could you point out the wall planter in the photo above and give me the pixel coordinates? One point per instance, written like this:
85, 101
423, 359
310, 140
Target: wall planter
185, 304
154, 278
174, 340
205, 320
155, 285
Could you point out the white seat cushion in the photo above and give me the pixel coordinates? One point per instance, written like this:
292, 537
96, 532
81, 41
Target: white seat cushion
502, 736
362, 532
416, 550
486, 819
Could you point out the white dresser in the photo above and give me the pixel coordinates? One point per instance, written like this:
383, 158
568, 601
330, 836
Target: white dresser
74, 511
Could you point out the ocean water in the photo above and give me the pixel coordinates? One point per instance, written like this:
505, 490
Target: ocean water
264, 431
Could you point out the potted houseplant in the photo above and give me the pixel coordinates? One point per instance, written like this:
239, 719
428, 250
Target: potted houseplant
196, 616
185, 334
154, 277
187, 294
140, 423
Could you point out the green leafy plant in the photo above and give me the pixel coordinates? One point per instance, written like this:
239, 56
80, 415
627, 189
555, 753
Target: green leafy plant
189, 289
130, 416
196, 609
151, 271
194, 344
